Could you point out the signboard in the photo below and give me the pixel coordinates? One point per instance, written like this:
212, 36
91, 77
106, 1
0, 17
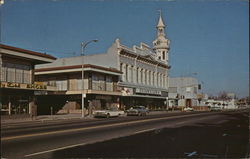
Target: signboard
22, 85
9, 85
147, 91
40, 92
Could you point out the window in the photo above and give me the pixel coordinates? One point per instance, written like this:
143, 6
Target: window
149, 77
153, 78
126, 72
137, 75
18, 73
98, 82
61, 85
121, 67
109, 83
131, 74
163, 55
141, 76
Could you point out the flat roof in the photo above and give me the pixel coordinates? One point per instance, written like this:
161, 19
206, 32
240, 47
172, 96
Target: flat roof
77, 67
2, 46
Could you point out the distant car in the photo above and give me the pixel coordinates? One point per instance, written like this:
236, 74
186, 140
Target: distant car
215, 108
108, 113
188, 109
138, 111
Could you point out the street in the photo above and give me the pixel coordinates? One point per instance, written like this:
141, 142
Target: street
185, 134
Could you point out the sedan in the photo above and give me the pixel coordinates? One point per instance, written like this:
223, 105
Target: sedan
137, 110
108, 113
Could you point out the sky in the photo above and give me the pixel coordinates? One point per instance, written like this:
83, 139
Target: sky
209, 38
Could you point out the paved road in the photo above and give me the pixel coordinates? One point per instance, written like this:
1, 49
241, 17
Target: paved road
163, 135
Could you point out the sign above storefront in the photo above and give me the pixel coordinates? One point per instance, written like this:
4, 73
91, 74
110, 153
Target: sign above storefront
22, 85
147, 91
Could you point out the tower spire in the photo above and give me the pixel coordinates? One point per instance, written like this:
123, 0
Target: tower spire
160, 22
161, 43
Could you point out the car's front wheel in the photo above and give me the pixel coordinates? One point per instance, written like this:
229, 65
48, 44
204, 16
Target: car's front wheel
108, 115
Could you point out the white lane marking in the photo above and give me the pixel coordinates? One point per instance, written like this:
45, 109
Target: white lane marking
94, 127
142, 131
191, 154
52, 150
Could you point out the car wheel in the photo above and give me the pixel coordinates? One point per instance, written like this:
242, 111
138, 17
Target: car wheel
108, 115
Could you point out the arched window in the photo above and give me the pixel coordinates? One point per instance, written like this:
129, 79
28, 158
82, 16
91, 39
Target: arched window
163, 55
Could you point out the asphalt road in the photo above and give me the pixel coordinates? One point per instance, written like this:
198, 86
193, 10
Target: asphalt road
202, 135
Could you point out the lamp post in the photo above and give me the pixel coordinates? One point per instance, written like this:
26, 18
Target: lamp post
83, 46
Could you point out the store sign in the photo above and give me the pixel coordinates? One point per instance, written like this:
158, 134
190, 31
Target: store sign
10, 85
36, 86
22, 86
147, 91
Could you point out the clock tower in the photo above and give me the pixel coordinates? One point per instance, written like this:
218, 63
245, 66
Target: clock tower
161, 43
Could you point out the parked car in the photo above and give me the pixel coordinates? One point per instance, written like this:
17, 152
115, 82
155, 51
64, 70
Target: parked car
137, 110
108, 113
188, 109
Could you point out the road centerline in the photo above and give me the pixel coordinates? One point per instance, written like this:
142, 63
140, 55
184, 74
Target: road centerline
94, 127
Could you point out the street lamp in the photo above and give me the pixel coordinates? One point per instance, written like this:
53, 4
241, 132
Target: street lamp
83, 46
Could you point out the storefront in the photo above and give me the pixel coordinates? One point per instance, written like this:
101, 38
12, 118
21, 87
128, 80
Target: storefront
153, 99
17, 84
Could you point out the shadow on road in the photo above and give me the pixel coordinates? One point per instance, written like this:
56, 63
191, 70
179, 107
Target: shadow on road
223, 139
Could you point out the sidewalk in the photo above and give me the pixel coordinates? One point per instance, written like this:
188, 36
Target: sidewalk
45, 118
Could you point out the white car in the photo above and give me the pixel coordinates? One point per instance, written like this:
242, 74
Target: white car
108, 113
188, 109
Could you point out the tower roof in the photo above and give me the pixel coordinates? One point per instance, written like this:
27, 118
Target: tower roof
160, 22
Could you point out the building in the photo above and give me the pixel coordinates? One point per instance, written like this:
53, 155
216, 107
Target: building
217, 104
145, 71
184, 92
141, 72
99, 86
17, 85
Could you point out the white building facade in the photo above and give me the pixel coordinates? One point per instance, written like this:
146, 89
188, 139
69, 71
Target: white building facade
184, 92
144, 78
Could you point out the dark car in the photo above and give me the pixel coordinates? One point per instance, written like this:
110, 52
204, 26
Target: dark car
138, 111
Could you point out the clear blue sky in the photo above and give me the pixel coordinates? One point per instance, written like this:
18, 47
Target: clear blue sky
208, 37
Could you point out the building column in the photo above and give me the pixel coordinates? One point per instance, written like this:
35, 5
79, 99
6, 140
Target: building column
32, 107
